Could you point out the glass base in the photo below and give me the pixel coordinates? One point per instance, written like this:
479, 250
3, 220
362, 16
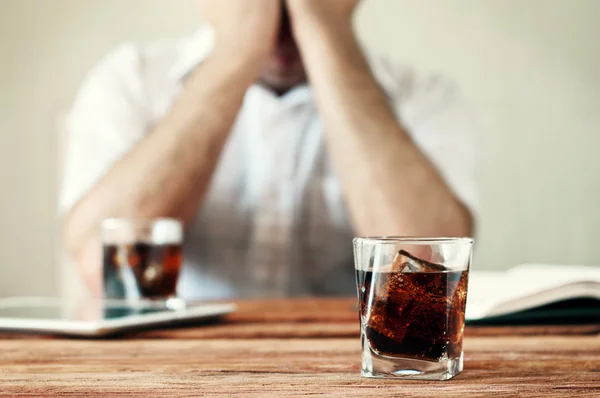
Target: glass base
378, 366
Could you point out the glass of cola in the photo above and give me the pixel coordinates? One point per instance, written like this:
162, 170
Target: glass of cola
142, 259
412, 294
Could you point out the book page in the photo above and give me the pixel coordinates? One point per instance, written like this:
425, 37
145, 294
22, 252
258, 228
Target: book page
484, 292
490, 289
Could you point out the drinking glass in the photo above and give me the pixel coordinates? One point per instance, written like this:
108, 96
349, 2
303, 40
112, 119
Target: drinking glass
412, 294
142, 258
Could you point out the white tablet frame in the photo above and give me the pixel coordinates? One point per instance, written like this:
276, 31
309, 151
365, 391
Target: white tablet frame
101, 328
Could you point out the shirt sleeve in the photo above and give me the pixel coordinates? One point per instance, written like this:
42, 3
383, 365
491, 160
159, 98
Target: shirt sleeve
107, 118
432, 111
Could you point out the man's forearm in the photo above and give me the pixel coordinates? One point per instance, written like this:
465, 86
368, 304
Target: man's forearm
168, 171
389, 185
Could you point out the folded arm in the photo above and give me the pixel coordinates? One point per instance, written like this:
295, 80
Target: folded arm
390, 186
167, 173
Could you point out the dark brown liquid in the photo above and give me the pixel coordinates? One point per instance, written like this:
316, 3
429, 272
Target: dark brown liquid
416, 315
152, 270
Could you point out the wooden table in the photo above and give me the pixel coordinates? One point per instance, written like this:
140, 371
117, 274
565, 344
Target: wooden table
292, 348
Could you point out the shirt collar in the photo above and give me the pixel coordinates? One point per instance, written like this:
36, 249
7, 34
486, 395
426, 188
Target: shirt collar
195, 49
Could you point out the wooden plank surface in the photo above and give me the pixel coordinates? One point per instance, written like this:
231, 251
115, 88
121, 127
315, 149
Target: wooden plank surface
292, 348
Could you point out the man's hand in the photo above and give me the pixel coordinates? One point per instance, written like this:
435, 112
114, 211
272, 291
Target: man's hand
330, 14
243, 28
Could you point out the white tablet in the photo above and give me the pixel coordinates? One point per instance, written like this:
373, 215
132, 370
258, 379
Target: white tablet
98, 317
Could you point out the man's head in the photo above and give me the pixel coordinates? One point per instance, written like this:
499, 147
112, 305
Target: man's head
284, 68
263, 28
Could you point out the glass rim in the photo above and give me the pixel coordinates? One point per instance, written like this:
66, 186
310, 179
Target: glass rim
115, 222
412, 240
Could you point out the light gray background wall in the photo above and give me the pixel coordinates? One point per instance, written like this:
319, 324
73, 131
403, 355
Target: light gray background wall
529, 70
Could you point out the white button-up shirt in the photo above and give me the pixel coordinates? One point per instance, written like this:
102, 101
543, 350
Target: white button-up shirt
273, 221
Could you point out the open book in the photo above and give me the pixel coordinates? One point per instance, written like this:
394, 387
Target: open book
534, 293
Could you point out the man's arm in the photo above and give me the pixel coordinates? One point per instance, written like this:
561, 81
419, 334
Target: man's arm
167, 173
390, 187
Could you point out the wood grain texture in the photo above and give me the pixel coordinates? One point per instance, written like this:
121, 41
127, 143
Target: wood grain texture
292, 348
